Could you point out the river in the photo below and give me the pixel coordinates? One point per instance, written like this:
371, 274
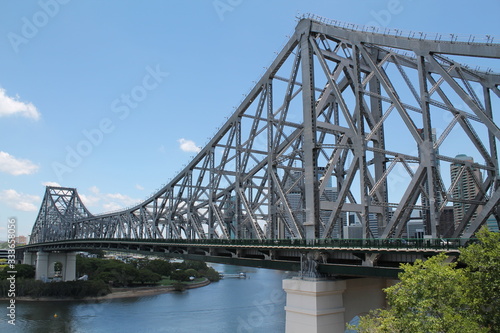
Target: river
232, 305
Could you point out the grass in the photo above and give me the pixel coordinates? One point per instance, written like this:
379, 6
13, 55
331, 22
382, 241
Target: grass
168, 282
198, 280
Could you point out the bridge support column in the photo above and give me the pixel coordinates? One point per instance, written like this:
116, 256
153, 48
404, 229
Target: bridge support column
28, 258
317, 306
42, 265
45, 262
314, 305
70, 267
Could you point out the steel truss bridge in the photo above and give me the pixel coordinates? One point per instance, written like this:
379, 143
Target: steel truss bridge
346, 121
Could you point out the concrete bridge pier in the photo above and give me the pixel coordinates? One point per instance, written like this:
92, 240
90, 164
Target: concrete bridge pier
44, 263
28, 258
318, 305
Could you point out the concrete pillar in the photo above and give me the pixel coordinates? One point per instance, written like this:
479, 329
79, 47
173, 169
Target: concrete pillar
28, 258
314, 305
363, 295
42, 265
70, 267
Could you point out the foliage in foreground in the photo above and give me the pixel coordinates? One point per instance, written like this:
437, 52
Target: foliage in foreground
436, 296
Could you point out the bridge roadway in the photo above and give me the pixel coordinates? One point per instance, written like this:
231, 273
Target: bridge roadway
338, 257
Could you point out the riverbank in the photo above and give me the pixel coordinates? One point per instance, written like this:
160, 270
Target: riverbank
145, 291
116, 293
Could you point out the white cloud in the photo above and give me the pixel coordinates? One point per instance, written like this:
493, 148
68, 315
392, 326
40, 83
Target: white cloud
121, 199
111, 206
16, 166
188, 146
94, 189
12, 106
139, 187
89, 200
105, 202
51, 184
20, 201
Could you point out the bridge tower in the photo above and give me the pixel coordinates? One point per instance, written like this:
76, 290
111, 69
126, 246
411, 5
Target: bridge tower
60, 208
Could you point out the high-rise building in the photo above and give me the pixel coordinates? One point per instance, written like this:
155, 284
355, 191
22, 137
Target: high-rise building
415, 229
492, 223
294, 186
466, 187
446, 223
293, 189
21, 240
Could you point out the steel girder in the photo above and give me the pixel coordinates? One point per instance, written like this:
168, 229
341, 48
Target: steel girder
343, 121
61, 207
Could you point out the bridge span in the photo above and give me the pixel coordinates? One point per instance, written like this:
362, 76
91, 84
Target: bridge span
334, 257
352, 132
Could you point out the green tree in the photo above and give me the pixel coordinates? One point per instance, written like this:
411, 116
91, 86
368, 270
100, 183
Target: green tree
179, 275
196, 265
58, 266
179, 286
89, 266
211, 274
147, 276
23, 271
191, 272
159, 266
483, 273
436, 296
430, 298
121, 274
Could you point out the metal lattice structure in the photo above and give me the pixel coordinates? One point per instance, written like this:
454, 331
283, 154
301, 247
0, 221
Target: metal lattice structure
61, 208
344, 121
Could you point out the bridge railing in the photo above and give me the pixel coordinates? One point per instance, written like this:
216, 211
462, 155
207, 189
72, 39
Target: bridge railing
429, 36
394, 243
399, 243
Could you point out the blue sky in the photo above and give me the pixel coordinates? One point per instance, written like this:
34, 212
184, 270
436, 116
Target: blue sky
137, 86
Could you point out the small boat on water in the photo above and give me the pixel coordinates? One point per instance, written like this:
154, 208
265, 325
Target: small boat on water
241, 275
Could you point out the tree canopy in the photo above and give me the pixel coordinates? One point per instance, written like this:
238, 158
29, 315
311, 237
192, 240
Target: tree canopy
436, 295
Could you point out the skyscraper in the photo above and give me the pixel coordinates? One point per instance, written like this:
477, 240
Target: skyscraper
465, 188
294, 193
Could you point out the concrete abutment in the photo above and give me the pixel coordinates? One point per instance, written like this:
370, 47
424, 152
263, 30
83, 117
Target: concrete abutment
321, 306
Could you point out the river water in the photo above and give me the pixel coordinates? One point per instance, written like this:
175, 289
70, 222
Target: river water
232, 305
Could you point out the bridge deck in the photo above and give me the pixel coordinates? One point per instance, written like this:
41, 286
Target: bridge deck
346, 257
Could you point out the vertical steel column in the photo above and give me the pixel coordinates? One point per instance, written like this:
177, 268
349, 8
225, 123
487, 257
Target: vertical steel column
189, 204
360, 143
271, 166
493, 149
379, 159
211, 192
491, 137
169, 222
311, 193
239, 178
338, 170
427, 154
